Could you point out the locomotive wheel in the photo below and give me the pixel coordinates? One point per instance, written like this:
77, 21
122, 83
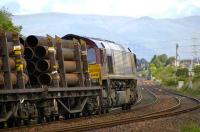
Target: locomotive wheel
103, 111
39, 119
67, 116
56, 117
27, 121
124, 107
47, 118
78, 115
51, 118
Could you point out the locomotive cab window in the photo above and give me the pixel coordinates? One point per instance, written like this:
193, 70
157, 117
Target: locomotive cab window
110, 64
91, 54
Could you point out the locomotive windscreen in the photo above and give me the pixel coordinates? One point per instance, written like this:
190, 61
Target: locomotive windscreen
91, 56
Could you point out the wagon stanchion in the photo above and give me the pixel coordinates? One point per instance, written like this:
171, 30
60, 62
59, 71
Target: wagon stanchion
5, 59
78, 59
19, 61
61, 61
53, 62
85, 62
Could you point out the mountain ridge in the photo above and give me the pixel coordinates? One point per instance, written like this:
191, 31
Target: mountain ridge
144, 35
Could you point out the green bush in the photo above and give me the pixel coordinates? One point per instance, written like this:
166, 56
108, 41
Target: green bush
169, 82
191, 127
182, 72
197, 71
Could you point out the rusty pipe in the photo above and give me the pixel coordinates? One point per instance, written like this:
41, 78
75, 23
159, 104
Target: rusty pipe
42, 52
68, 54
11, 61
24, 63
26, 78
44, 66
34, 41
70, 66
28, 53
67, 43
10, 46
72, 79
13, 78
46, 79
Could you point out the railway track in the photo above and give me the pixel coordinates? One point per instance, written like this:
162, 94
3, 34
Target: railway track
127, 117
146, 99
174, 104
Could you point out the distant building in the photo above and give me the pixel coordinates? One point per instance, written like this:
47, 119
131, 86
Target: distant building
186, 63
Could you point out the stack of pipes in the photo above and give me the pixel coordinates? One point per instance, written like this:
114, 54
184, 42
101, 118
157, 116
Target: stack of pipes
38, 61
14, 48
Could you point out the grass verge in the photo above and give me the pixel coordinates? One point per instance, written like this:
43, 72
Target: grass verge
191, 127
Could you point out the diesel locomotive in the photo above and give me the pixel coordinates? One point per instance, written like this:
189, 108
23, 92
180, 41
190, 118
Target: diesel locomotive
44, 78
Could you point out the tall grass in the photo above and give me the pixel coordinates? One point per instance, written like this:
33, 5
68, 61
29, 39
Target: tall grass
191, 127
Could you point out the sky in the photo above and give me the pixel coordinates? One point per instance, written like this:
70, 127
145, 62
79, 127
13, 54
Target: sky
130, 8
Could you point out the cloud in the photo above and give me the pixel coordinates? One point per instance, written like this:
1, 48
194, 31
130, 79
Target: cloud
133, 8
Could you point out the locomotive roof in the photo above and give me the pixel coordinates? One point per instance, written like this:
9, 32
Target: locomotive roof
100, 43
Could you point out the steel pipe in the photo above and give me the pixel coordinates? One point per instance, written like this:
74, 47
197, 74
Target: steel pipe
68, 54
72, 79
41, 51
26, 78
10, 46
28, 53
24, 63
13, 78
11, 61
67, 43
33, 80
34, 41
46, 79
21, 40
70, 66
43, 65
31, 68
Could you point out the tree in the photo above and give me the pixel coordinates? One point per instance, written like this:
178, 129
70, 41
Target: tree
6, 22
163, 58
182, 72
170, 61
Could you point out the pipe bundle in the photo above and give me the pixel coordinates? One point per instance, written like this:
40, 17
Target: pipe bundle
11, 68
39, 65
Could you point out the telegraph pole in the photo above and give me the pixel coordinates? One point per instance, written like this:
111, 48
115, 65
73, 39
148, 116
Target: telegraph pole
176, 61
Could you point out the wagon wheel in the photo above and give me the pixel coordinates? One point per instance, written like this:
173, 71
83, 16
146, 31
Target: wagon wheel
27, 121
10, 122
17, 122
2, 125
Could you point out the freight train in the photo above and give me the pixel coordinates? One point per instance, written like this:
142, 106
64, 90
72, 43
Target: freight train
44, 78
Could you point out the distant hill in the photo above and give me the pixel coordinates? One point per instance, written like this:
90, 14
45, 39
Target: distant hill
145, 36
